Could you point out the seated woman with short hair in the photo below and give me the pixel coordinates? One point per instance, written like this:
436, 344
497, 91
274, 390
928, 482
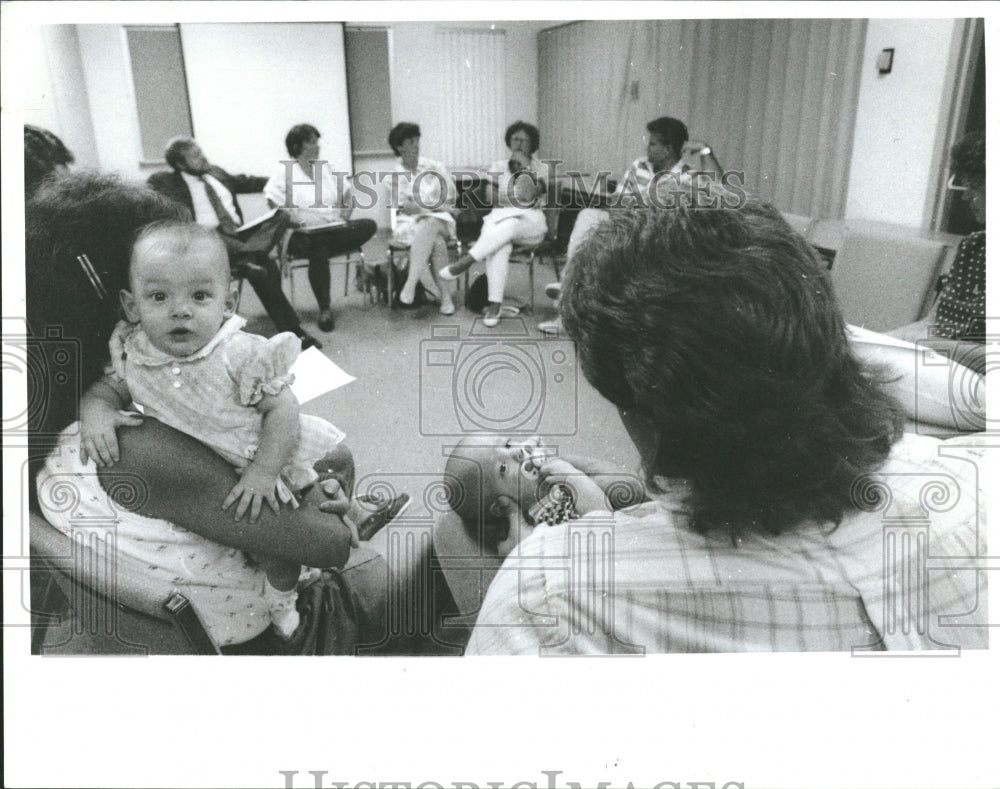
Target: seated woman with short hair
297, 190
515, 219
421, 199
957, 322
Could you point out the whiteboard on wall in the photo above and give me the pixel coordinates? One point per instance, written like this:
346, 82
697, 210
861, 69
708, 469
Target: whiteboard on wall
250, 83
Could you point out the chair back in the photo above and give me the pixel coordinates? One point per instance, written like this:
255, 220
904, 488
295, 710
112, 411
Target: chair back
802, 225
881, 280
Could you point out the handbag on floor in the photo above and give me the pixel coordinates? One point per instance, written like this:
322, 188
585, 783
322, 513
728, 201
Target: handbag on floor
477, 295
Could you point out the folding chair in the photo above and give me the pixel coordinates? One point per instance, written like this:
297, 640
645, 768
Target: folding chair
881, 280
800, 224
290, 264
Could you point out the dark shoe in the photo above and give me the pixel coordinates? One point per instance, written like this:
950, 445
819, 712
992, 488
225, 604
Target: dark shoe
553, 290
325, 321
308, 341
384, 512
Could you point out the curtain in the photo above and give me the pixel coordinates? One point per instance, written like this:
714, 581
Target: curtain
774, 98
474, 94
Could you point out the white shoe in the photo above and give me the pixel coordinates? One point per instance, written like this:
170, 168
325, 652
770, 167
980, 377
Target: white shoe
447, 305
554, 326
281, 606
492, 315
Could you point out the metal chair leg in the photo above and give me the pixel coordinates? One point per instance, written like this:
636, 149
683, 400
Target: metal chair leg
389, 276
531, 280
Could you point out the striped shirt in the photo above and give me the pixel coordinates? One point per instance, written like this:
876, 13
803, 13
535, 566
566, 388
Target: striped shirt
898, 574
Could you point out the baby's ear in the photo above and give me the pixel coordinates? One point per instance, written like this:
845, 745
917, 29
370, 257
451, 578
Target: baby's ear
128, 306
499, 507
232, 301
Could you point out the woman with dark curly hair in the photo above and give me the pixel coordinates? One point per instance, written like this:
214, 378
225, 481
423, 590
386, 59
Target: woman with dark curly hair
514, 188
775, 459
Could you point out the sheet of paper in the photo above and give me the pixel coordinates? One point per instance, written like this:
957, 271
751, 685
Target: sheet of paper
316, 375
256, 221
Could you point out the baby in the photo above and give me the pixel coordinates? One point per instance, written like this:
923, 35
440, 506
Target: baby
182, 355
503, 488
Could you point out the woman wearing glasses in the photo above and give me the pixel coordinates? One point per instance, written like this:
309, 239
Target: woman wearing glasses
959, 314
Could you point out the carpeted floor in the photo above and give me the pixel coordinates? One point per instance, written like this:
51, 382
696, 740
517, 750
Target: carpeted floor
424, 379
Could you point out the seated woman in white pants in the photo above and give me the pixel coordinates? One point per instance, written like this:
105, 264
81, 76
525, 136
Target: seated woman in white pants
516, 219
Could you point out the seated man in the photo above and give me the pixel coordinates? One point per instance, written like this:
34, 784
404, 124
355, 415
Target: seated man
665, 151
208, 192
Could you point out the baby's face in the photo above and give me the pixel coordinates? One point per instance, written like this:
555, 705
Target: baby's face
509, 466
181, 300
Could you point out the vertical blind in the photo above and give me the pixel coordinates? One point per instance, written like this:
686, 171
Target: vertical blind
774, 98
473, 94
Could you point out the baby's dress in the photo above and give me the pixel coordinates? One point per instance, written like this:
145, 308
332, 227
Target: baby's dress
211, 395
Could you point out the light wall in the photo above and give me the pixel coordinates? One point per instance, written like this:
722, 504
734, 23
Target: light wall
897, 141
243, 101
250, 83
54, 95
415, 89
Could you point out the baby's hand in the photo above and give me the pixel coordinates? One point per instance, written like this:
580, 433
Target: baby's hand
99, 423
587, 494
255, 486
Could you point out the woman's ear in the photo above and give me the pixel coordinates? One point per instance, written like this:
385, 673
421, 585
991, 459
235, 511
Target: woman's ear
128, 306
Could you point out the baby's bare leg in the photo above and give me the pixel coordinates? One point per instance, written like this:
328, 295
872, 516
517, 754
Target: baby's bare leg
281, 574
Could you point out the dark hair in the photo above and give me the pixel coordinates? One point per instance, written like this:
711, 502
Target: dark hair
719, 329
297, 136
527, 128
81, 214
43, 152
968, 158
672, 131
177, 147
402, 132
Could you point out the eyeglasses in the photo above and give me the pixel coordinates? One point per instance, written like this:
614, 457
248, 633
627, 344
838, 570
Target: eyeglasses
953, 187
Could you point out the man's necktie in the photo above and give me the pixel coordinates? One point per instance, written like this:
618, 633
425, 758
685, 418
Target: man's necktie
226, 223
